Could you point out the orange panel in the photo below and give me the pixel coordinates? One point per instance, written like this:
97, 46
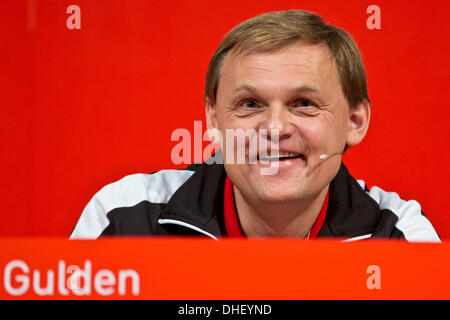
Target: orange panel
131, 268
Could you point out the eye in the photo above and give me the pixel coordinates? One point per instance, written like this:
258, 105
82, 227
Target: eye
304, 103
250, 104
305, 107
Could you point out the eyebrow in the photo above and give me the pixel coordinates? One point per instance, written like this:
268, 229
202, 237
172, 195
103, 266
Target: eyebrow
299, 89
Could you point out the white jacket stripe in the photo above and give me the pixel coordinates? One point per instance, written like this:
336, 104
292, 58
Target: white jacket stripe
411, 222
127, 192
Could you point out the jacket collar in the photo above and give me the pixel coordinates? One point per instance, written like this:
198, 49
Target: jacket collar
199, 203
351, 212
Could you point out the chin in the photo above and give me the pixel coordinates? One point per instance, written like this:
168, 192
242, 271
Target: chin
280, 192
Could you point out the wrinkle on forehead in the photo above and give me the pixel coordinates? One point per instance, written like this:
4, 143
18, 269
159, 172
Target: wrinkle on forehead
307, 63
308, 48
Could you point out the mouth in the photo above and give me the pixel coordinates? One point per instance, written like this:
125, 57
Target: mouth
282, 156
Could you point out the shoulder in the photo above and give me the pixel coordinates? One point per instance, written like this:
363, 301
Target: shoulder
410, 220
154, 188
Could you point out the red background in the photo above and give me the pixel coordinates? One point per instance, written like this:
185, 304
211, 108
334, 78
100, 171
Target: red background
83, 108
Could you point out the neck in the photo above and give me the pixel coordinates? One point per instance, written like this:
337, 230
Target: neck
287, 219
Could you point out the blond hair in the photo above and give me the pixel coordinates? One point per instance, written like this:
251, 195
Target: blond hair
273, 31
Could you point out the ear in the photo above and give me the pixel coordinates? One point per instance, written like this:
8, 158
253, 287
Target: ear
211, 116
359, 119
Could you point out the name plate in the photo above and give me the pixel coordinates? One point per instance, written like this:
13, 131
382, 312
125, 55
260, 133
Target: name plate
228, 269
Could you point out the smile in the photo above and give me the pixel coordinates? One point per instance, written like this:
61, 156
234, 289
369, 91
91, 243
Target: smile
281, 156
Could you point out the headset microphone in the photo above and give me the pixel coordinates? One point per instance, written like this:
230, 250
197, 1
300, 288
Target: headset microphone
322, 158
328, 156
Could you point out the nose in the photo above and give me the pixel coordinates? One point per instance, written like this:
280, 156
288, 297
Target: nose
277, 120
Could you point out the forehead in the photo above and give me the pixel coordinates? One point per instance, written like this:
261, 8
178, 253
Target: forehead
295, 65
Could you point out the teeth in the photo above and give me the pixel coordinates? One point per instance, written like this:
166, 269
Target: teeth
288, 154
280, 154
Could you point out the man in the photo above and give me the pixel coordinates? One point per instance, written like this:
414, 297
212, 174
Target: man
303, 82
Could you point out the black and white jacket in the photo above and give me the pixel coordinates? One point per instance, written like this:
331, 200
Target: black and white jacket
190, 202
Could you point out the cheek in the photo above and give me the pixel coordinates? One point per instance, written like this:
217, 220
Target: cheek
233, 150
315, 133
323, 135
231, 122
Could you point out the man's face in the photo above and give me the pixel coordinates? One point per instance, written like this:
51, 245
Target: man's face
297, 91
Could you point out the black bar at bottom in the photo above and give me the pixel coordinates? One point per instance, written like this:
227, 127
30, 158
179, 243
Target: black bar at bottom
226, 309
